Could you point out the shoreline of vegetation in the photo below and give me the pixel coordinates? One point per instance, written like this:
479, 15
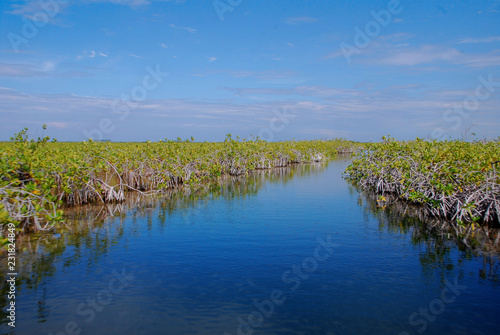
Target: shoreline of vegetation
408, 218
41, 177
451, 180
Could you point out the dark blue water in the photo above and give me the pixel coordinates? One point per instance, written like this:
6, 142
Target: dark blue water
295, 251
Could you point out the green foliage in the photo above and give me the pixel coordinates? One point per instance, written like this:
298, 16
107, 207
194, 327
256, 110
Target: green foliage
39, 176
453, 179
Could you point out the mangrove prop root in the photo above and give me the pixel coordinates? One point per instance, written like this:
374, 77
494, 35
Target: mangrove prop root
40, 179
444, 187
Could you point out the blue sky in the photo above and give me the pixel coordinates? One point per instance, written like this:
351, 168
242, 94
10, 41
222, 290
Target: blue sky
134, 70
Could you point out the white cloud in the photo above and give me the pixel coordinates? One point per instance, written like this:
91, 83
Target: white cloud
304, 91
190, 30
48, 66
302, 19
26, 69
480, 40
381, 44
390, 51
421, 55
131, 3
108, 32
91, 54
481, 60
433, 53
334, 54
360, 113
58, 125
33, 10
262, 75
212, 59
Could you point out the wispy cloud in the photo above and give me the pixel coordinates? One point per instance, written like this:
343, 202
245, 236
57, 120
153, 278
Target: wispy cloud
334, 54
270, 74
190, 30
480, 40
380, 45
417, 101
131, 3
212, 59
395, 51
26, 70
29, 8
58, 125
33, 10
302, 19
366, 113
306, 91
91, 54
420, 55
428, 54
109, 33
481, 60
48, 68
263, 75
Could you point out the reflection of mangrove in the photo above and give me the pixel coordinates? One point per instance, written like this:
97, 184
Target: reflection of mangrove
91, 230
185, 197
438, 237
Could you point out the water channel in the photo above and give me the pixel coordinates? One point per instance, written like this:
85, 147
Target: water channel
288, 251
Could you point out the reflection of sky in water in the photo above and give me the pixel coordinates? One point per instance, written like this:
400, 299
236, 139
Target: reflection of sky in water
202, 262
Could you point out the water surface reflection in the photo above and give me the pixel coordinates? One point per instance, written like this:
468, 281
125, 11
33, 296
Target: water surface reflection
202, 261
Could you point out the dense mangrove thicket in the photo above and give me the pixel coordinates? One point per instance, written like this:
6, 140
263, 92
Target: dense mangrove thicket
39, 177
454, 180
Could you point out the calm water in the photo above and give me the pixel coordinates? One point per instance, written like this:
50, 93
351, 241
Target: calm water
293, 251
